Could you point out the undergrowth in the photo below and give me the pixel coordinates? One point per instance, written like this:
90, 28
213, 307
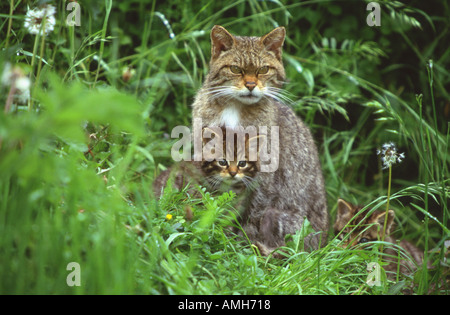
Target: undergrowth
80, 150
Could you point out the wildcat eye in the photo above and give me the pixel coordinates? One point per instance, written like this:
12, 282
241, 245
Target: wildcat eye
263, 70
363, 240
223, 163
235, 69
242, 164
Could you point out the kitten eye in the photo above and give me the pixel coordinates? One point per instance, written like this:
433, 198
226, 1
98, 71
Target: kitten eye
223, 163
242, 164
363, 240
235, 69
263, 70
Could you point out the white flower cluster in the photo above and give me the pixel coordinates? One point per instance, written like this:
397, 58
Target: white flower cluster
41, 20
389, 155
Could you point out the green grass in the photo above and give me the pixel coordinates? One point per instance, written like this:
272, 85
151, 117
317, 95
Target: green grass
76, 168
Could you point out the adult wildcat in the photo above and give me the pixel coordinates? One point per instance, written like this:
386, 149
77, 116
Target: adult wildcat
243, 89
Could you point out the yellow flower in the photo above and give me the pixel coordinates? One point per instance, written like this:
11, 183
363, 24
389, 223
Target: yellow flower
169, 217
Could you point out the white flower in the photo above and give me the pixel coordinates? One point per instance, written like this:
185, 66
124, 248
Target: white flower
23, 83
43, 17
15, 78
7, 74
389, 155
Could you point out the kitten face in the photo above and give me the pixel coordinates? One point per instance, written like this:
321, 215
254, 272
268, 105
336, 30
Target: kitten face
246, 69
370, 228
233, 169
231, 174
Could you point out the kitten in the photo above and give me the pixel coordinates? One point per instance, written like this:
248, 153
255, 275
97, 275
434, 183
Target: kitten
218, 173
230, 164
243, 88
370, 228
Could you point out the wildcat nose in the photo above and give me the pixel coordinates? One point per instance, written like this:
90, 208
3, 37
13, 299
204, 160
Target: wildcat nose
250, 85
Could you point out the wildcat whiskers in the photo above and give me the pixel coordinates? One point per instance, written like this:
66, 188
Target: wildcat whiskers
278, 94
219, 91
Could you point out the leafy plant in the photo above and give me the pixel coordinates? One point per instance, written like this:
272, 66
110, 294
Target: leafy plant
85, 129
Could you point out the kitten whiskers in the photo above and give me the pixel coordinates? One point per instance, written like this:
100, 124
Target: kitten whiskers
214, 181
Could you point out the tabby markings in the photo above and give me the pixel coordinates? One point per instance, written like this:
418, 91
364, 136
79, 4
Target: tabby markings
268, 152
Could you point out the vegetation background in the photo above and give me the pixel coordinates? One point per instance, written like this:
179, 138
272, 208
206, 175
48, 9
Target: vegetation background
78, 158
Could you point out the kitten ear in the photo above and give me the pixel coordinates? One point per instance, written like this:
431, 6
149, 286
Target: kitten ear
390, 220
344, 207
274, 41
209, 132
221, 40
212, 146
256, 142
344, 213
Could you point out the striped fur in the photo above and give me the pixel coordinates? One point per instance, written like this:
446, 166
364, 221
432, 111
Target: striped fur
244, 88
235, 171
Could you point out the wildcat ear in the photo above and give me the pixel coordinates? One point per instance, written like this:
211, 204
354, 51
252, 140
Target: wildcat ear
212, 146
221, 40
390, 219
344, 207
274, 41
209, 132
344, 213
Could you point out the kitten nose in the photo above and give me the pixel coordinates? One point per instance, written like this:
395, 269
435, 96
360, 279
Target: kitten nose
232, 173
250, 85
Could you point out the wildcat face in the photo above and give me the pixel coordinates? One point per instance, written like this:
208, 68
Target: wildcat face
246, 69
294, 188
233, 170
370, 228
